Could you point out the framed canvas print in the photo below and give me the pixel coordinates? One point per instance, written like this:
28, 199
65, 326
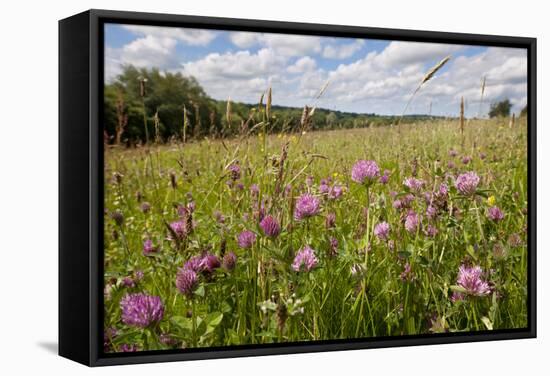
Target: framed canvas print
239, 187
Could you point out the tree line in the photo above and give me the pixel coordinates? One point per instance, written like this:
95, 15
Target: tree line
147, 105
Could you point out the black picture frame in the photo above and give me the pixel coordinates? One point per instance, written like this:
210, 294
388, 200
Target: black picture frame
81, 185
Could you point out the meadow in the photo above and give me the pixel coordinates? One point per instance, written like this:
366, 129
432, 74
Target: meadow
316, 235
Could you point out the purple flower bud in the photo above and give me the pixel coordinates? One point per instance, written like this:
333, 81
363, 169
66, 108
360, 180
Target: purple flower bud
495, 214
141, 310
246, 239
382, 230
365, 172
118, 217
472, 281
414, 184
149, 247
467, 183
229, 261
336, 192
270, 226
186, 281
305, 259
330, 220
412, 222
306, 206
234, 171
145, 207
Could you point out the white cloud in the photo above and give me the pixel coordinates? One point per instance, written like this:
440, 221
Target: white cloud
149, 51
193, 37
283, 44
345, 51
241, 74
244, 39
302, 65
296, 67
400, 53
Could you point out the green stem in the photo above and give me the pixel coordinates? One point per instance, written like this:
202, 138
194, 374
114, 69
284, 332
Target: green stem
194, 321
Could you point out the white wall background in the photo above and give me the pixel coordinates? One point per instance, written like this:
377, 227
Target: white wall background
28, 186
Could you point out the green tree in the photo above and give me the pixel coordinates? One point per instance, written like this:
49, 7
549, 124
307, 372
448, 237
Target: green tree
165, 92
501, 108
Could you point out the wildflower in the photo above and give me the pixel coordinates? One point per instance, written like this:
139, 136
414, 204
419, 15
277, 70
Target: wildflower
453, 153
324, 188
229, 261
258, 210
219, 217
412, 222
397, 204
495, 214
179, 229
499, 252
491, 201
246, 239
443, 190
118, 217
167, 339
209, 263
470, 279
335, 192
431, 212
309, 180
407, 199
414, 184
515, 241
149, 247
270, 226
128, 282
364, 172
128, 348
254, 190
382, 230
141, 310
466, 159
431, 231
330, 220
407, 275
333, 251
306, 206
305, 259
138, 275
451, 165
186, 281
234, 172
385, 178
108, 335
145, 207
467, 183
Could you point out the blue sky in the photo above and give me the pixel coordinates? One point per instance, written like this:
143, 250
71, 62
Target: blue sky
363, 75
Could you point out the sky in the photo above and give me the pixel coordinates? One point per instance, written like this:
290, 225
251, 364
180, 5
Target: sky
363, 75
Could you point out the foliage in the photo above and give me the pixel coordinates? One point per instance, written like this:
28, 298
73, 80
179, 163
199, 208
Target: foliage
500, 109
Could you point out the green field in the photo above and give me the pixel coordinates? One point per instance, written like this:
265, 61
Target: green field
363, 286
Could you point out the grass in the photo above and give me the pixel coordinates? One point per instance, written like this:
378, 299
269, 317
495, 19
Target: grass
360, 289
